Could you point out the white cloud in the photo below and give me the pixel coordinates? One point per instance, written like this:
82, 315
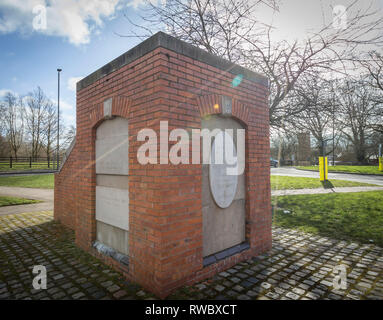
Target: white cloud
67, 112
136, 3
72, 19
69, 119
64, 106
72, 83
3, 92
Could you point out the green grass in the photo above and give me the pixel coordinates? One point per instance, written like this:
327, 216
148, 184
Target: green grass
347, 216
11, 201
285, 182
44, 181
349, 169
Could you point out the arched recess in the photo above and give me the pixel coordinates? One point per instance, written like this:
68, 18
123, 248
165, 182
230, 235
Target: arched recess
112, 175
224, 229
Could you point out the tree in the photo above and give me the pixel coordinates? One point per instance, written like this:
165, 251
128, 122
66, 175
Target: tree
69, 137
315, 97
357, 113
49, 128
36, 113
2, 118
13, 118
373, 63
284, 145
229, 28
217, 26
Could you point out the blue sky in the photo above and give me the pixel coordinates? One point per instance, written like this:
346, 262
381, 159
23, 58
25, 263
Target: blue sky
29, 59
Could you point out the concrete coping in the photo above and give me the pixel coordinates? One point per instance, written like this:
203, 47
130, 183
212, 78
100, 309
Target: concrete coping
166, 41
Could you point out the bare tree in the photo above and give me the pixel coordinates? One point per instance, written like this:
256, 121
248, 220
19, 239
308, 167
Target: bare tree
315, 97
49, 128
36, 113
357, 113
2, 118
218, 26
69, 136
284, 145
229, 28
327, 49
13, 118
373, 63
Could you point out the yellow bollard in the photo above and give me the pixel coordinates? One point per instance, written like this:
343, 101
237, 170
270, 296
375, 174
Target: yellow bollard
380, 163
323, 169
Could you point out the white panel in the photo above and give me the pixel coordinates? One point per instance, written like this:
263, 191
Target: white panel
112, 155
112, 128
112, 206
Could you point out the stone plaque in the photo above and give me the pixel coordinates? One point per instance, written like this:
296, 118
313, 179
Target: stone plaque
112, 206
226, 106
108, 108
222, 185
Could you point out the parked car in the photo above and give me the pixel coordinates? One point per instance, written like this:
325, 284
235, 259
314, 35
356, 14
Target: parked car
273, 163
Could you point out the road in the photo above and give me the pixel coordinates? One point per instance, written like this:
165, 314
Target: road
292, 172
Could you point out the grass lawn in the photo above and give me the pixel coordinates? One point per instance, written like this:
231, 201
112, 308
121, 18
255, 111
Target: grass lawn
347, 216
11, 201
349, 169
44, 181
285, 182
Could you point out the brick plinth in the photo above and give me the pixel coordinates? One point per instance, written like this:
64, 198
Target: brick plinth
164, 79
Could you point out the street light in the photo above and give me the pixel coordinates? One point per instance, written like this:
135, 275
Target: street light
58, 117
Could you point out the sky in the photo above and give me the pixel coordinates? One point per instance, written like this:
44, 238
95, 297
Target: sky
81, 36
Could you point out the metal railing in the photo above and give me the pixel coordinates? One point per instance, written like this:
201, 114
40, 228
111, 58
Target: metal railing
28, 163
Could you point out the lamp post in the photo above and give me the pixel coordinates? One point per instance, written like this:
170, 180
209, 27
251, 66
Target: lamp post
58, 118
333, 134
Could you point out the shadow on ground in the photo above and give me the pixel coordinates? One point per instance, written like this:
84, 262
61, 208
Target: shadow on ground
327, 184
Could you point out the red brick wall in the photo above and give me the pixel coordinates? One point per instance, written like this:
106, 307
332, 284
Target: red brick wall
165, 237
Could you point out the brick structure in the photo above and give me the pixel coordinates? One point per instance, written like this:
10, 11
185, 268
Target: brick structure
164, 79
304, 149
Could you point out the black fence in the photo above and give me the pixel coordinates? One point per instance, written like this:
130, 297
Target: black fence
27, 164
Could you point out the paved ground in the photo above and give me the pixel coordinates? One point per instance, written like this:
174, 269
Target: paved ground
300, 266
45, 195
289, 171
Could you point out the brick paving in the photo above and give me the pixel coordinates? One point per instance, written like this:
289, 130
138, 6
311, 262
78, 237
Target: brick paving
300, 266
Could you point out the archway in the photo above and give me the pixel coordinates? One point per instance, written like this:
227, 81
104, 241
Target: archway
112, 184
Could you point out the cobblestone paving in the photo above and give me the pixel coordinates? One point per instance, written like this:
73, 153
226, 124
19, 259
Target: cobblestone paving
300, 266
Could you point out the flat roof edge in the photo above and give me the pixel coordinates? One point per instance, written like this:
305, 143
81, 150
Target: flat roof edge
161, 39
